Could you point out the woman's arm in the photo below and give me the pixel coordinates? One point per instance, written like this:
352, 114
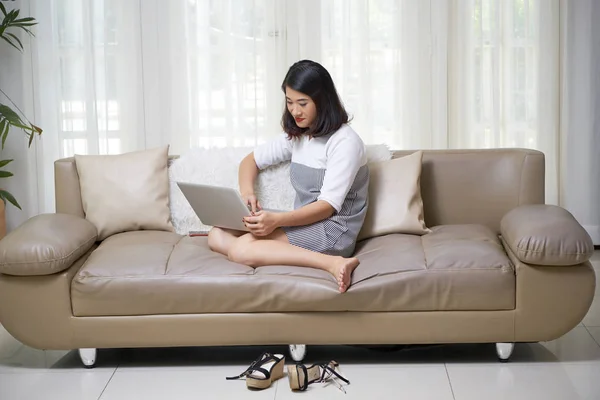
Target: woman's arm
270, 153
264, 222
309, 214
248, 172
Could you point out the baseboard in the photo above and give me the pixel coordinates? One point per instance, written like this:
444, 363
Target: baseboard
594, 232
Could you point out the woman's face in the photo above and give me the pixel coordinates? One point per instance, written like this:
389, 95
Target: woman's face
301, 106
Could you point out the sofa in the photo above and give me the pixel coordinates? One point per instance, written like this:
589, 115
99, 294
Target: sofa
498, 266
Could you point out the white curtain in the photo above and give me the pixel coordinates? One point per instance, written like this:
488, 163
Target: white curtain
119, 75
580, 113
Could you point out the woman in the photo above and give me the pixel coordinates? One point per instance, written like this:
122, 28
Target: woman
329, 173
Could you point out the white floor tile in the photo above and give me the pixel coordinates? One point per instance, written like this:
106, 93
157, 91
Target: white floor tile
8, 344
56, 386
514, 381
182, 383
22, 359
28, 360
373, 383
593, 316
577, 346
16, 358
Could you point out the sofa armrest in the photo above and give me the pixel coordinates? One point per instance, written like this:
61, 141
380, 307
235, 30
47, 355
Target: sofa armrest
543, 234
46, 244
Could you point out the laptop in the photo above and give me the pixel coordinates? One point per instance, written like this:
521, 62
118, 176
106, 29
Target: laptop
217, 205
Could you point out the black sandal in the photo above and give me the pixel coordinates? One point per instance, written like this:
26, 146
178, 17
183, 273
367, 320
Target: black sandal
301, 376
263, 371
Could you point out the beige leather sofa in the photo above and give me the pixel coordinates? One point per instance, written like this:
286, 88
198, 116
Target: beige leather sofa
499, 266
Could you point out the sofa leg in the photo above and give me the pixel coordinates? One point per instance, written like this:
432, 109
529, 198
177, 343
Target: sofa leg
504, 350
298, 351
88, 357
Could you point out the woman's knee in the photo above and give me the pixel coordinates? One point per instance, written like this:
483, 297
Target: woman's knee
239, 252
215, 239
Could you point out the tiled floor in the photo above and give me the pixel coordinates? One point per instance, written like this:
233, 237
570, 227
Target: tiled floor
567, 368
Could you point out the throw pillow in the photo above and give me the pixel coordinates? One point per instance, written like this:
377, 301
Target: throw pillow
125, 192
395, 203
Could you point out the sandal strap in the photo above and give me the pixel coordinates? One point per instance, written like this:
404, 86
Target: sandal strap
327, 368
304, 384
256, 365
327, 371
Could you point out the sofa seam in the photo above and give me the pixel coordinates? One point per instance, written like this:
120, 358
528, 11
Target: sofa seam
170, 254
519, 248
502, 269
521, 179
3, 264
424, 253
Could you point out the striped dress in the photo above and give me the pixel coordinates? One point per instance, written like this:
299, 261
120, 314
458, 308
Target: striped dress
332, 168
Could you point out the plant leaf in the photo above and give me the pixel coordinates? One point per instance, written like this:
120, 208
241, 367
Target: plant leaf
5, 134
5, 195
27, 19
24, 127
12, 15
23, 25
9, 42
3, 125
5, 174
27, 30
11, 116
3, 9
4, 163
12, 35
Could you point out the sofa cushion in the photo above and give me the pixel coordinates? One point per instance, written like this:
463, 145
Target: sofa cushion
151, 272
126, 192
545, 234
46, 244
395, 203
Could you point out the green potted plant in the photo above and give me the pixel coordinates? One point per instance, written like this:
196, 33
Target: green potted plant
8, 117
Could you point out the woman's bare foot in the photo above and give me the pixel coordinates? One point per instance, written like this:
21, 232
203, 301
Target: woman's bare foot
342, 272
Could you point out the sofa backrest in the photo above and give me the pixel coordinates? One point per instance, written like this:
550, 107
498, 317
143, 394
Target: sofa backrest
479, 186
458, 186
67, 194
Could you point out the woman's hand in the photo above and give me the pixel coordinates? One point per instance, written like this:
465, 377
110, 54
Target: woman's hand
252, 202
263, 223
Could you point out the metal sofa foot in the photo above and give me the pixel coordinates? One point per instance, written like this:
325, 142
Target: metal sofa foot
88, 357
504, 351
298, 351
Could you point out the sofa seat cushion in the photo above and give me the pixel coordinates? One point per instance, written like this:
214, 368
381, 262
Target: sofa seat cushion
150, 272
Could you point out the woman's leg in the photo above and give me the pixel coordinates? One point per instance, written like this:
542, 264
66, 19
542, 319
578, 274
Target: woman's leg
276, 250
220, 239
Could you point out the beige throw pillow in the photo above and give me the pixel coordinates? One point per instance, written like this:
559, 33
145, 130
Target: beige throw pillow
395, 202
126, 192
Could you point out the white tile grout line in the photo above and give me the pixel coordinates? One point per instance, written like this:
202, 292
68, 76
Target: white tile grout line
276, 387
590, 333
449, 381
109, 379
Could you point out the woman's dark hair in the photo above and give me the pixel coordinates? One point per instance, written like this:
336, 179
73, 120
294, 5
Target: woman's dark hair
312, 79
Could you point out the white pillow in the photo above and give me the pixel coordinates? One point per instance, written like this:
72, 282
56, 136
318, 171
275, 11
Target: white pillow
220, 167
125, 192
395, 202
